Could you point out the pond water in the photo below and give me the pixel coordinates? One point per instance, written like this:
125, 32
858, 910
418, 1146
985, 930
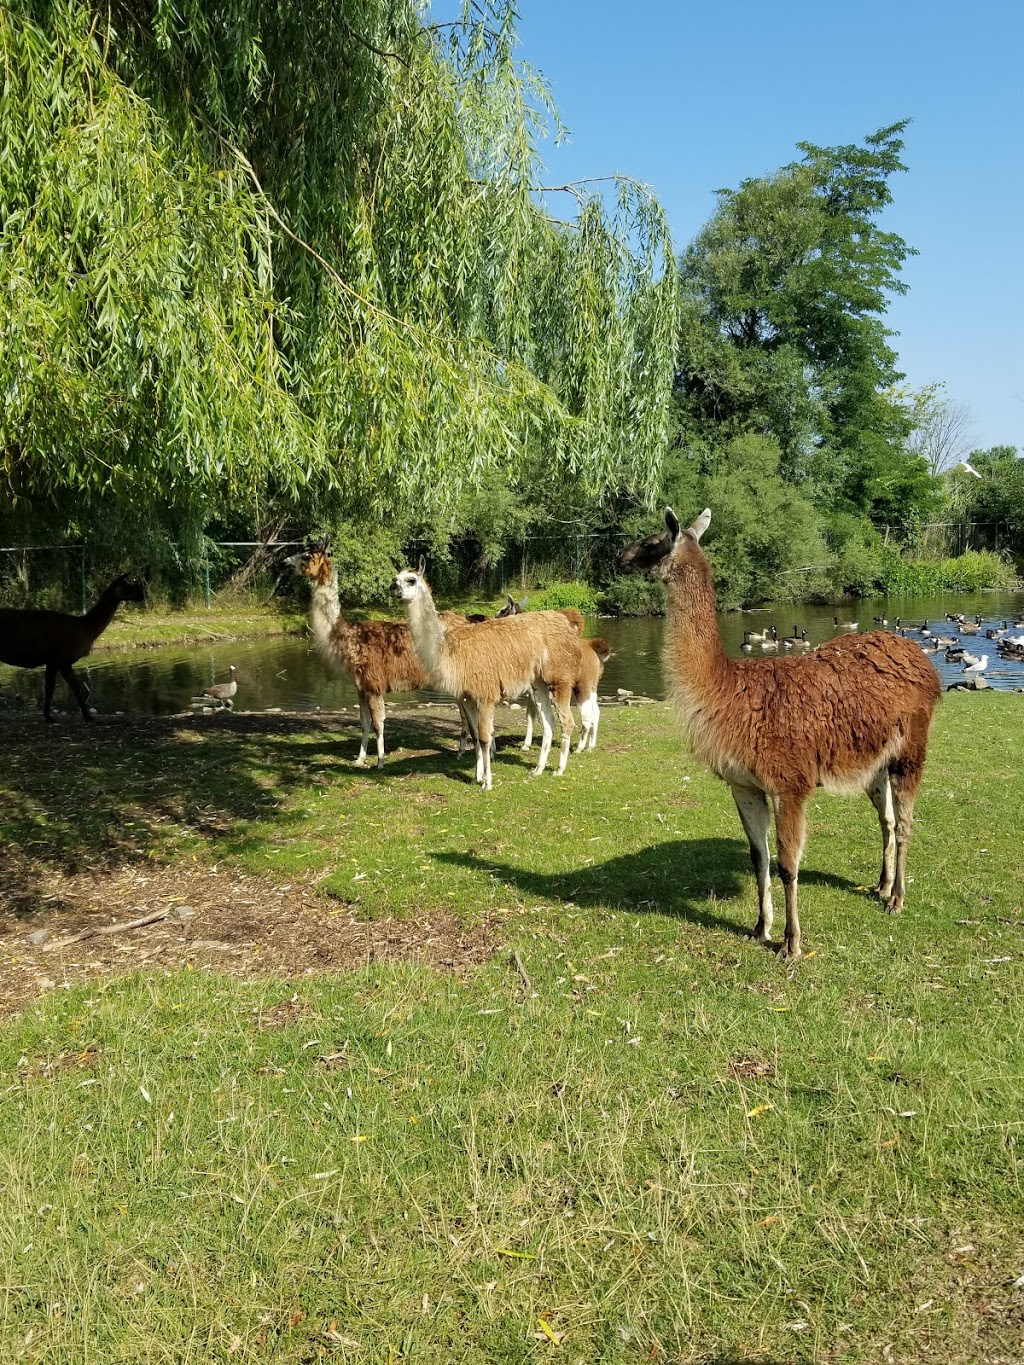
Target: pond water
284, 672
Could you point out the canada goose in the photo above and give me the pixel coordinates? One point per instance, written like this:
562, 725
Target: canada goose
970, 660
798, 640
944, 641
757, 637
969, 627
880, 620
844, 625
220, 692
773, 642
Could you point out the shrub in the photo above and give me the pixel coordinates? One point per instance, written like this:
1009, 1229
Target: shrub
631, 595
579, 595
964, 573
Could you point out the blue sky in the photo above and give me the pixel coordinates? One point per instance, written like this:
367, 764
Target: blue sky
695, 97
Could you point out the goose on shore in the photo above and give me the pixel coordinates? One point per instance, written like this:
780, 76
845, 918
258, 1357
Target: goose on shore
221, 693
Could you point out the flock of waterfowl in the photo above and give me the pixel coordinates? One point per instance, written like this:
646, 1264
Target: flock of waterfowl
951, 639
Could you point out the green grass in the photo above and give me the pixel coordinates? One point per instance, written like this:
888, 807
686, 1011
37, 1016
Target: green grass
676, 1149
195, 624
239, 618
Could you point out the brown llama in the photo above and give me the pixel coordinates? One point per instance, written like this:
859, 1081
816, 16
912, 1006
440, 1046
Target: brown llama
594, 654
852, 715
377, 655
55, 640
500, 658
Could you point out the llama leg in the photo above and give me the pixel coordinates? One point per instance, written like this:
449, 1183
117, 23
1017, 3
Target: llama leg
67, 673
588, 722
468, 731
880, 793
364, 716
595, 716
51, 682
464, 728
905, 778
561, 697
584, 723
755, 815
376, 705
532, 713
790, 833
485, 732
542, 697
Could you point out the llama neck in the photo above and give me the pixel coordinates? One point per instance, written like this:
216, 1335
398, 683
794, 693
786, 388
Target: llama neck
696, 661
324, 609
99, 616
426, 629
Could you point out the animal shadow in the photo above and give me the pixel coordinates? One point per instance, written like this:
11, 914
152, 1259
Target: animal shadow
676, 878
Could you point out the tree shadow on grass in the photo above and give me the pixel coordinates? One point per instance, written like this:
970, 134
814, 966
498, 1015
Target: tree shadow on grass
675, 878
82, 798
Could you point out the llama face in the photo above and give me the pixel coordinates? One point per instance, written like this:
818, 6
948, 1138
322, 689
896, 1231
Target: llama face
658, 554
408, 586
129, 589
312, 562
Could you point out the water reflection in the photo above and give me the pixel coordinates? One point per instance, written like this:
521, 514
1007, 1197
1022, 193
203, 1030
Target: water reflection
285, 673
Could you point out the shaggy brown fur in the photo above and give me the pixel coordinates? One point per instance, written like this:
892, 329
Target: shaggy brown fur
483, 663
594, 654
54, 640
852, 715
377, 655
574, 617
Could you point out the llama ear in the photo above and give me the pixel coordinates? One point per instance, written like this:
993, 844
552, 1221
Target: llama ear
672, 522
423, 565
701, 524
511, 601
522, 604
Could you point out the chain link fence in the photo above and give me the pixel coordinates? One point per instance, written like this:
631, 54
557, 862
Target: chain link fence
63, 577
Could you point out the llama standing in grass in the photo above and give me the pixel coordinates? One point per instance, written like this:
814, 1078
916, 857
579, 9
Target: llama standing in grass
55, 640
594, 654
485, 662
378, 656
851, 716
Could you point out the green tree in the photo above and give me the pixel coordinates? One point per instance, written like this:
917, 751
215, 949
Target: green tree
262, 262
782, 333
991, 492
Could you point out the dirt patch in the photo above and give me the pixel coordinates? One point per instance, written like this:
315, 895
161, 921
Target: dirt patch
215, 919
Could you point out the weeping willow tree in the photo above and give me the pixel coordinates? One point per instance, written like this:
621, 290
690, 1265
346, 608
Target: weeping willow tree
261, 259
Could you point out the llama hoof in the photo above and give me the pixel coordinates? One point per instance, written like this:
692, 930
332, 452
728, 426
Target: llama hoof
786, 953
763, 939
893, 905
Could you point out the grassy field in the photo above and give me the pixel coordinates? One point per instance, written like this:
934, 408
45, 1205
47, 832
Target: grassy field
608, 1129
236, 618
